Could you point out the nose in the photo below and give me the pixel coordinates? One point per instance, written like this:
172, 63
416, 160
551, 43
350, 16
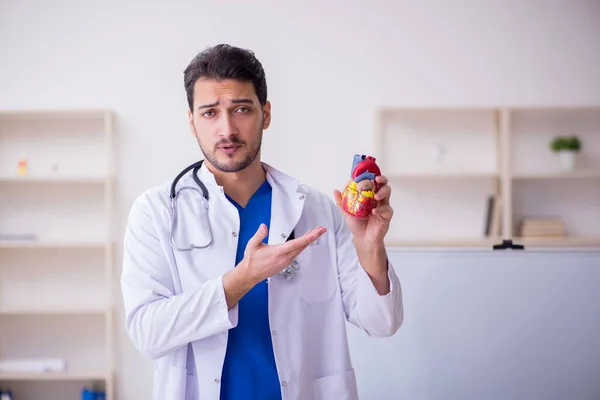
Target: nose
227, 126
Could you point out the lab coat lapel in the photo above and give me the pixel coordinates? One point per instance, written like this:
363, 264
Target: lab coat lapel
287, 204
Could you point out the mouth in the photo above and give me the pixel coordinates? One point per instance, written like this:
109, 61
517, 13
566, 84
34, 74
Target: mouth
229, 149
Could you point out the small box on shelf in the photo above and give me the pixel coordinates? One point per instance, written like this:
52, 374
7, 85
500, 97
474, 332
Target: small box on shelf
542, 227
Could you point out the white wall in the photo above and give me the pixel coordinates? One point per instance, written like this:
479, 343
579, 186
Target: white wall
328, 65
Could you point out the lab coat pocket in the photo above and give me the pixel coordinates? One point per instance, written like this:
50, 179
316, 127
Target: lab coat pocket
170, 382
339, 387
316, 281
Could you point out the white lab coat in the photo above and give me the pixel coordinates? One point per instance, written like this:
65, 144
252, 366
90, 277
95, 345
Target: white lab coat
173, 299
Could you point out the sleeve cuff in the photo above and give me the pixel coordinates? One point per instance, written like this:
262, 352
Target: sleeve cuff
367, 283
380, 315
230, 317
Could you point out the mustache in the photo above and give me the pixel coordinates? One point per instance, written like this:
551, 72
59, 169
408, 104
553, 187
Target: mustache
230, 142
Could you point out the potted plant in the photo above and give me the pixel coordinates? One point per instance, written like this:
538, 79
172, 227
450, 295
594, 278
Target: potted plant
567, 148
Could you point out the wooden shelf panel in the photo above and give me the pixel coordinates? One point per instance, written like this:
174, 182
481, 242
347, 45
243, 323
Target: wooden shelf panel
449, 242
444, 175
54, 376
485, 243
54, 311
577, 174
55, 179
70, 114
49, 244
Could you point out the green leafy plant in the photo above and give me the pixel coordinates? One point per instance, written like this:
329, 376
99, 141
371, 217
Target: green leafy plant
571, 143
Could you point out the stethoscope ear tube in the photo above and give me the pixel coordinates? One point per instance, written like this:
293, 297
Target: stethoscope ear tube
199, 182
173, 195
195, 166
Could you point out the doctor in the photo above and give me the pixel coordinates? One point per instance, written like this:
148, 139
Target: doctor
258, 309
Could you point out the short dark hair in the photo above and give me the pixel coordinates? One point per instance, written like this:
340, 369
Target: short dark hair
224, 61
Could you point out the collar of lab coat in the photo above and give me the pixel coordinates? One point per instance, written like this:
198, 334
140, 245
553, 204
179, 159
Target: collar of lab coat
288, 197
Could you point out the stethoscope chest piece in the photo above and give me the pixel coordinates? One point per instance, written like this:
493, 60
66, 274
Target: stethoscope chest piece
289, 272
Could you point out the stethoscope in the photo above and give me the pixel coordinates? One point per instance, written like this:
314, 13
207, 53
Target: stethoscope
196, 166
288, 273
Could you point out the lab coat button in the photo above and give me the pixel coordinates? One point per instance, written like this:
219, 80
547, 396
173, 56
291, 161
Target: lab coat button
217, 380
234, 233
284, 384
274, 332
283, 235
301, 197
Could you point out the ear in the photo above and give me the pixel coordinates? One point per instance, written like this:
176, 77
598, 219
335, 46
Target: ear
267, 115
191, 122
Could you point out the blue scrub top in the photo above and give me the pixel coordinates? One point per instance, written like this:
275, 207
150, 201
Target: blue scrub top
249, 371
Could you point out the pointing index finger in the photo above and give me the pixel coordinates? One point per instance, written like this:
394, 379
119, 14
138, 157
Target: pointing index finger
300, 243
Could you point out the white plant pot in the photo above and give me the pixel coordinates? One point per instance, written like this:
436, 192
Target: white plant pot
567, 159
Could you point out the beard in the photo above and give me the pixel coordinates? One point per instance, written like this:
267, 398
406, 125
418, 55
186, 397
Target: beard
251, 152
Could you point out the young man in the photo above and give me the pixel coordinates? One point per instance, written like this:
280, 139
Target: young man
258, 311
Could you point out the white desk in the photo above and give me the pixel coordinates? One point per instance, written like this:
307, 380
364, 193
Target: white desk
489, 325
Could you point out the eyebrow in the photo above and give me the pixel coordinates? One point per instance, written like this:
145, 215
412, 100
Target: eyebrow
234, 101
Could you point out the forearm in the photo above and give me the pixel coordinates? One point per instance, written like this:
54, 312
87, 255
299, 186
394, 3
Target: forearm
374, 261
237, 283
158, 327
161, 326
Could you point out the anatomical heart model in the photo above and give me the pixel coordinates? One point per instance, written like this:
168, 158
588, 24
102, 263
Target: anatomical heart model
358, 198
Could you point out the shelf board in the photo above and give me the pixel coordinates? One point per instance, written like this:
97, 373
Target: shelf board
443, 175
567, 241
55, 179
448, 242
581, 174
55, 311
53, 376
436, 108
54, 114
51, 244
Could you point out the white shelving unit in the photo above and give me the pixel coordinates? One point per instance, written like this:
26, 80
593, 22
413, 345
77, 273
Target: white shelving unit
444, 163
56, 269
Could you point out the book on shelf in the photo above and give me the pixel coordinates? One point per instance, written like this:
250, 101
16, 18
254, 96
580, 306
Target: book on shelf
493, 217
542, 227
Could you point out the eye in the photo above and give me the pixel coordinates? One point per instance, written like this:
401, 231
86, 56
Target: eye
208, 113
243, 110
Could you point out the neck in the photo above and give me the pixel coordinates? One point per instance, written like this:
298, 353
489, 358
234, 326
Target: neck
240, 186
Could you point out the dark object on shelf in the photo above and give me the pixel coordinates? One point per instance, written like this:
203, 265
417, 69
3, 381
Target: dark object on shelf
6, 395
508, 244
